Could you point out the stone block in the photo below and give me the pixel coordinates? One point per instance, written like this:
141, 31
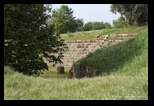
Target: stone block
124, 35
79, 71
83, 41
105, 36
118, 40
95, 38
60, 70
91, 41
78, 46
79, 41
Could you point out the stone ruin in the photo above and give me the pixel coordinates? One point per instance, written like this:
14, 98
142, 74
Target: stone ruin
78, 49
79, 71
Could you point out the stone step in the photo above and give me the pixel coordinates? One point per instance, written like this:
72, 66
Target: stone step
78, 49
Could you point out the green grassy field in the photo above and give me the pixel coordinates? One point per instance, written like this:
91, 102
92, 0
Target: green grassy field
124, 76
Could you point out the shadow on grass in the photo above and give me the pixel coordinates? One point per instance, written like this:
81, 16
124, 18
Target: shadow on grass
52, 73
110, 59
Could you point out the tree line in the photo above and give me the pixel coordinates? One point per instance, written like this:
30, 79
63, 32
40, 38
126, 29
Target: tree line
131, 14
30, 34
63, 21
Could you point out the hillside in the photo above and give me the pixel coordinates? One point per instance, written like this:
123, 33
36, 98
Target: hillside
125, 57
89, 35
124, 76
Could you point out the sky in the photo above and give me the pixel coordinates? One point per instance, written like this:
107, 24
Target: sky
91, 12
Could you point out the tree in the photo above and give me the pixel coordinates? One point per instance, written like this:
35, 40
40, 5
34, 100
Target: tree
107, 25
79, 24
98, 25
28, 39
63, 20
88, 26
93, 26
120, 23
142, 13
132, 12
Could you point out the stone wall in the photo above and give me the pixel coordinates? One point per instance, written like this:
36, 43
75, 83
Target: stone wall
78, 49
79, 71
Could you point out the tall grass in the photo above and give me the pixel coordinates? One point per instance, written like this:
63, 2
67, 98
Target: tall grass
52, 73
114, 58
19, 87
124, 77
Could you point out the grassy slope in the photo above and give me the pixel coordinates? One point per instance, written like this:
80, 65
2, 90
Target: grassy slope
89, 35
124, 76
124, 57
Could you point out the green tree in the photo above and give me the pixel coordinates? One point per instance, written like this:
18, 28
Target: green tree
98, 25
88, 26
107, 25
142, 13
28, 39
79, 24
132, 12
63, 20
93, 26
120, 23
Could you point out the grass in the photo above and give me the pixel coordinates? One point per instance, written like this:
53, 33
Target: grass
52, 73
124, 76
89, 35
19, 87
115, 58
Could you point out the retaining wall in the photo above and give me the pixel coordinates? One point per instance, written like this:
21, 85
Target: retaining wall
78, 49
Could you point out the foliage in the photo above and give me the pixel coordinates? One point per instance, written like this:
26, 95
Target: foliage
132, 12
107, 25
28, 39
120, 23
93, 26
98, 25
79, 23
128, 82
63, 21
88, 26
142, 12
8, 70
114, 58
